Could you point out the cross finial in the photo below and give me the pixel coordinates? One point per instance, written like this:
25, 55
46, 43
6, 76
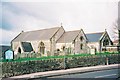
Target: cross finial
61, 24
105, 29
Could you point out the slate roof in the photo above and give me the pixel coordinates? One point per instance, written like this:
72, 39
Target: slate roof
43, 34
94, 37
3, 48
27, 47
68, 36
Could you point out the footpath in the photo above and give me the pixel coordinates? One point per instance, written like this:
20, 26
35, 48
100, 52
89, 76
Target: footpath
62, 72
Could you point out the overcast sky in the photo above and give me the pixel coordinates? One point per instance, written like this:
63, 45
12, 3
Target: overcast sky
91, 16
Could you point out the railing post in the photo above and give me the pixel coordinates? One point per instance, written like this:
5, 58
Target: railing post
64, 60
107, 63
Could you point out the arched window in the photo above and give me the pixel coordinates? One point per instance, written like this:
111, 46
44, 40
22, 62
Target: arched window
81, 38
81, 46
105, 42
63, 48
41, 48
19, 50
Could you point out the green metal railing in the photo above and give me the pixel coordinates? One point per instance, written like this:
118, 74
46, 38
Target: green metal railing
55, 57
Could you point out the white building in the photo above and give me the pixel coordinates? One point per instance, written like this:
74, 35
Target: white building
99, 41
47, 41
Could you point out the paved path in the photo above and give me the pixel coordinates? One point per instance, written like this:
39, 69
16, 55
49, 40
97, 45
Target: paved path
67, 71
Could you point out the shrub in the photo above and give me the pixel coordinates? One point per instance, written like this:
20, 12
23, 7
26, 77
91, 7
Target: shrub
13, 68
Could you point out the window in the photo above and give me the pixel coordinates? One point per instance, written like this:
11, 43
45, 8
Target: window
81, 38
63, 48
81, 46
69, 50
41, 47
103, 49
105, 42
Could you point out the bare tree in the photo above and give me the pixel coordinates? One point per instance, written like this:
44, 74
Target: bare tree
119, 26
118, 35
116, 31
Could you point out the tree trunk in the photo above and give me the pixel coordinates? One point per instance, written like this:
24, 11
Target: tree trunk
118, 40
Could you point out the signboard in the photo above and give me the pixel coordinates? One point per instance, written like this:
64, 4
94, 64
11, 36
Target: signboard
9, 54
92, 51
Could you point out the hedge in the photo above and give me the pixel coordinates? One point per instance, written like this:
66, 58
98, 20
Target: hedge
14, 68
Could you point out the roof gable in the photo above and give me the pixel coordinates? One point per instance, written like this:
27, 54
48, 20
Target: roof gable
104, 36
94, 37
84, 34
44, 34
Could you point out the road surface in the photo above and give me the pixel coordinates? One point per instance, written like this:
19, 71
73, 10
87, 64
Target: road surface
113, 73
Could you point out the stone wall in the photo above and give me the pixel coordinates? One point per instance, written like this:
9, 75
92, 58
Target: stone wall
35, 45
94, 45
15, 46
78, 43
54, 39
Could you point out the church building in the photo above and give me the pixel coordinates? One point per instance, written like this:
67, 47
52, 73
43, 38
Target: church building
47, 42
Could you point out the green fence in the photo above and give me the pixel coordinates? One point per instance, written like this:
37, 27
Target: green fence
32, 65
36, 56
